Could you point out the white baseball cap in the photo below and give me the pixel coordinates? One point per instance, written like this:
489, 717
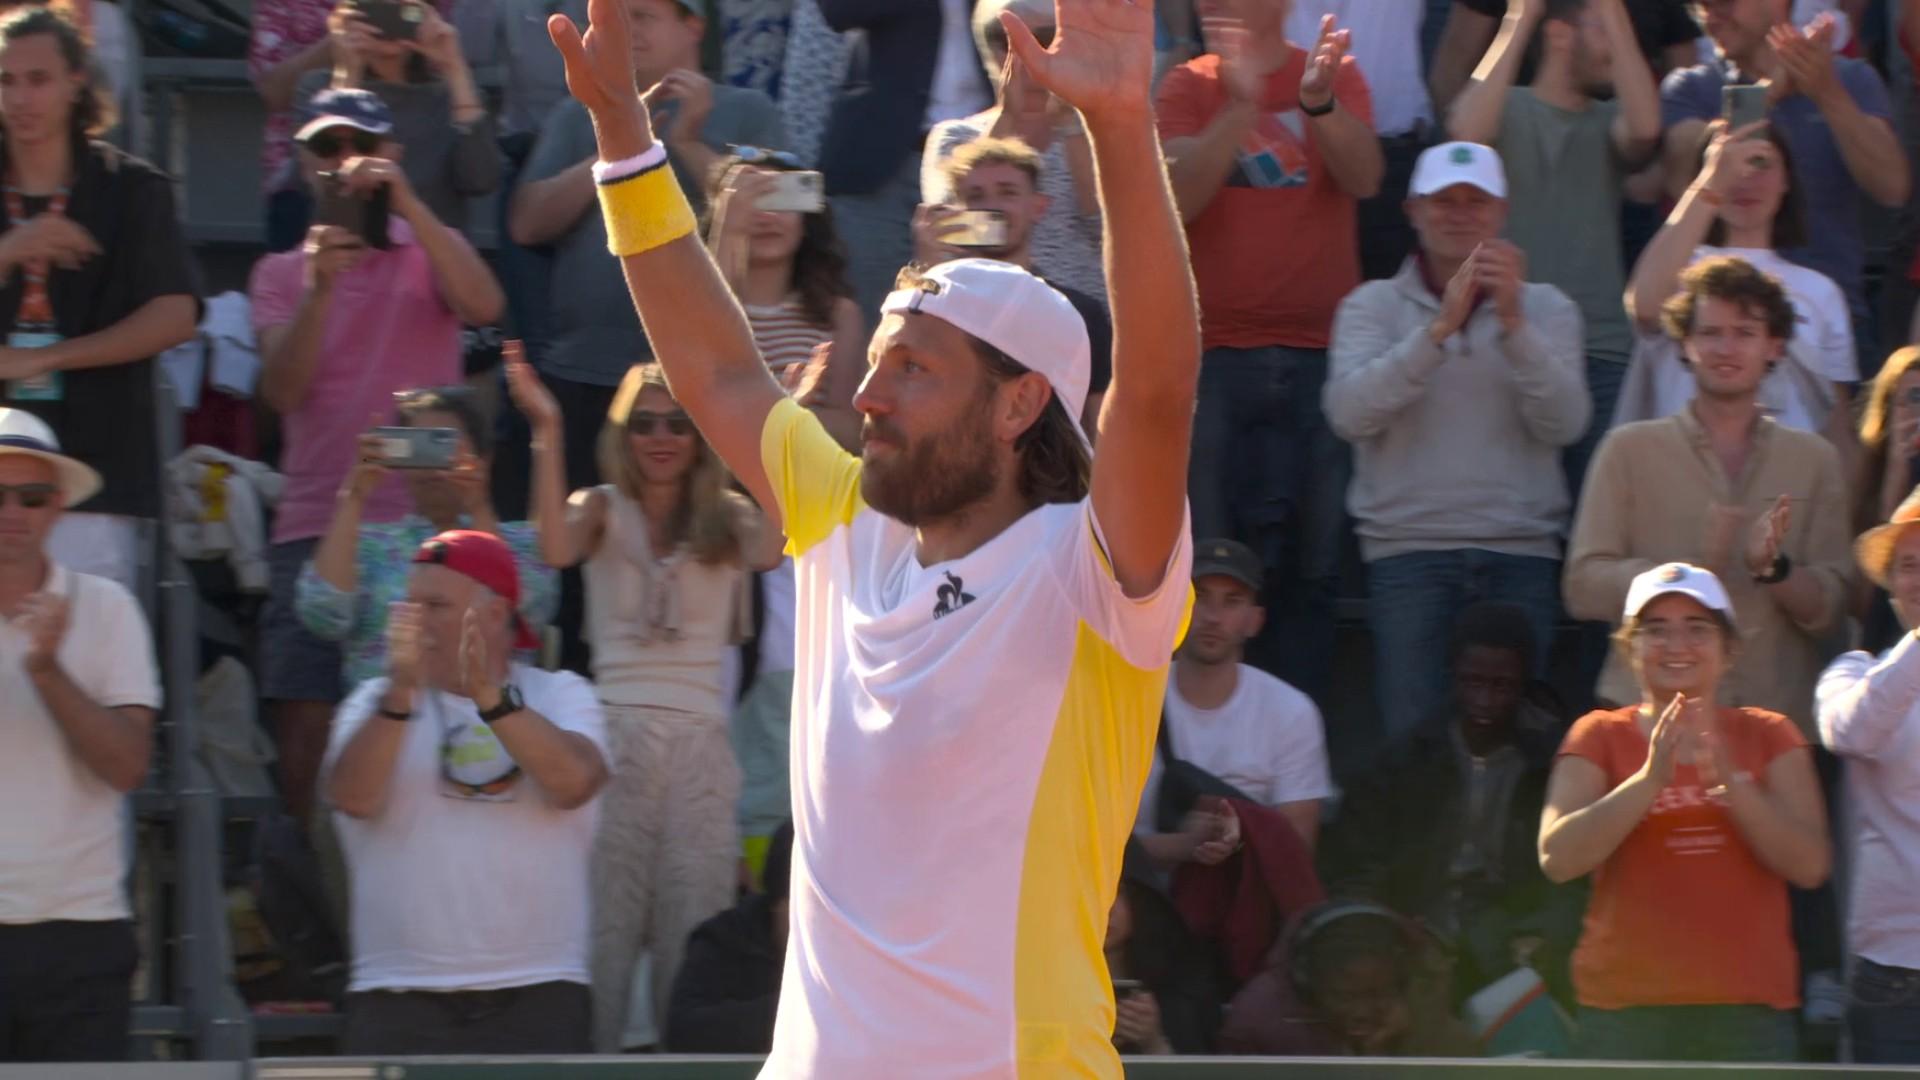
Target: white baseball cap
1443, 166
26, 435
1683, 579
1013, 311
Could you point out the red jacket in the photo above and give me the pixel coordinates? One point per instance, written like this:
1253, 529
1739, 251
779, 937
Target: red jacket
1243, 902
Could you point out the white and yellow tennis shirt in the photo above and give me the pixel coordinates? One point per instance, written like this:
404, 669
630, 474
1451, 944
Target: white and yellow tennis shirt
969, 744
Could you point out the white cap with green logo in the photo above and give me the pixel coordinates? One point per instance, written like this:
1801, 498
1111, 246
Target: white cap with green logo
1443, 166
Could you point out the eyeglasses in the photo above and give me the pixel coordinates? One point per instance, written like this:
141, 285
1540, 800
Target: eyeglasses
31, 496
433, 393
760, 155
642, 422
331, 141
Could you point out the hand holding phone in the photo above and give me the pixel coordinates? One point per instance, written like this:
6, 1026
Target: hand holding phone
1743, 105
393, 20
417, 448
794, 192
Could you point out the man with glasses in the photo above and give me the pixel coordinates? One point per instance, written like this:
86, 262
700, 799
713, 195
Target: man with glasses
1834, 112
370, 305
464, 789
78, 690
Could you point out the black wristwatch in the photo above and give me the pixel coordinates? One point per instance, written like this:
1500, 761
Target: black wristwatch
1777, 573
1321, 111
510, 702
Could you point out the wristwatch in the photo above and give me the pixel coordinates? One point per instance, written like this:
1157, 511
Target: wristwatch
1320, 111
510, 702
1777, 573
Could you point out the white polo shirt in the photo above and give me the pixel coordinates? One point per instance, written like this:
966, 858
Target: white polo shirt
969, 741
63, 828
453, 893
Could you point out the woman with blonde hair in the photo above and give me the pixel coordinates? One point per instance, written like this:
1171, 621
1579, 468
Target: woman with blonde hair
667, 546
1884, 473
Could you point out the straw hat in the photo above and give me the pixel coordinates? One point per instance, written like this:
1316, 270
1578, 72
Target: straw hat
26, 435
1874, 549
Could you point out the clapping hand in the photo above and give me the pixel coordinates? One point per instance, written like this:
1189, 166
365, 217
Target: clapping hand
1806, 58
1323, 63
1232, 42
1663, 743
529, 394
1763, 542
404, 645
43, 618
1499, 268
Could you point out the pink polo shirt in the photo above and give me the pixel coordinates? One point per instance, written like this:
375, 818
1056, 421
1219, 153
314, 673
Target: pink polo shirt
388, 329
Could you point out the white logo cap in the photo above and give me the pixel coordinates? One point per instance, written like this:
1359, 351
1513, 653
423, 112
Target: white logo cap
1679, 578
1443, 166
1013, 311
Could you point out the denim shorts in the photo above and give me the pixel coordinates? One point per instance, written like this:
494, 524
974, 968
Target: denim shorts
294, 665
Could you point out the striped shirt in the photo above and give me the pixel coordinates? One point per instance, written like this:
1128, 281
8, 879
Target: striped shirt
784, 333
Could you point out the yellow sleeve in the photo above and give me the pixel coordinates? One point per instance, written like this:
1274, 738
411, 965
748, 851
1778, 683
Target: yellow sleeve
816, 482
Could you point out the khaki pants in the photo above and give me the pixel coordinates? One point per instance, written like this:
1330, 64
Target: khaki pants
666, 857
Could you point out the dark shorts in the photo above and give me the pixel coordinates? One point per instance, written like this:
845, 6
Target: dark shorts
65, 990
295, 665
544, 1018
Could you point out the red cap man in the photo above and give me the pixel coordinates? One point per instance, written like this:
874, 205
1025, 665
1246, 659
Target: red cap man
486, 559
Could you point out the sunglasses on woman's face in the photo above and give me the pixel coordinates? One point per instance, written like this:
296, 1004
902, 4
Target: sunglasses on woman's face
330, 143
642, 422
31, 496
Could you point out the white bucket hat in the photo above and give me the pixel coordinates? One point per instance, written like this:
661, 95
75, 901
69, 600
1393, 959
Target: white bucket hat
26, 435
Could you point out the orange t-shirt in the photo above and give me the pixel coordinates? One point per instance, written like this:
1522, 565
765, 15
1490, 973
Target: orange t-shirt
1683, 913
1276, 250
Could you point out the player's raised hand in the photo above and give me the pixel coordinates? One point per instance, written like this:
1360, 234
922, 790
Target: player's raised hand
599, 63
1101, 60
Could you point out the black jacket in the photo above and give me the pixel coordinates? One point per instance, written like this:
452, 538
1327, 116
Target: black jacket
723, 999
879, 115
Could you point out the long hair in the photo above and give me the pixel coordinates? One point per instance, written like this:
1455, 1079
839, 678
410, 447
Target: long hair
1790, 220
707, 512
93, 110
819, 263
1876, 434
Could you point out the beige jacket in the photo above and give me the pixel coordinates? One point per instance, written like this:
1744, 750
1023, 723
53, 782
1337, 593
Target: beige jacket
1647, 501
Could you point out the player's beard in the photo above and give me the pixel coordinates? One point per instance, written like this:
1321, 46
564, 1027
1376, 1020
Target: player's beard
932, 478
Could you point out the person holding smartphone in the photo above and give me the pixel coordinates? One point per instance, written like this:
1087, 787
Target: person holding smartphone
342, 326
1692, 817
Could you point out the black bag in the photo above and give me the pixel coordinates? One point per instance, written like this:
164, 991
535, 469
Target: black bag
1182, 784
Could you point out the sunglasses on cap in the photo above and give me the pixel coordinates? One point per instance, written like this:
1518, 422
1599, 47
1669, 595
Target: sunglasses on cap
642, 422
31, 496
491, 787
331, 141
760, 155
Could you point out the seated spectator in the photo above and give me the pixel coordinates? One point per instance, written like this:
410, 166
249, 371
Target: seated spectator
789, 271
1457, 382
1444, 827
96, 283
1692, 815
1166, 997
1349, 978
438, 114
595, 334
1006, 177
1869, 711
78, 693
1744, 203
1065, 236
1725, 487
665, 547
464, 785
343, 324
1589, 119
360, 570
1832, 109
1269, 138
729, 983
1256, 735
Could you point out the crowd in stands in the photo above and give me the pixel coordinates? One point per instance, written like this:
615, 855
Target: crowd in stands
1566, 333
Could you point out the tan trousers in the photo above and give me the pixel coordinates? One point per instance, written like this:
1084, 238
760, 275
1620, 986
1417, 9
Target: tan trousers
666, 857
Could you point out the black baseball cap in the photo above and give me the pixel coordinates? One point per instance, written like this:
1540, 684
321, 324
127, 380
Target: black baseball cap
1228, 558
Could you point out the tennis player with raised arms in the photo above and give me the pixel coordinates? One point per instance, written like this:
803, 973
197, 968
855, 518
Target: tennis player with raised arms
985, 614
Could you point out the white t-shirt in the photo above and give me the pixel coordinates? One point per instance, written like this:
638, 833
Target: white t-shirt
776, 625
1386, 46
1266, 739
958, 89
451, 893
1822, 347
969, 741
62, 827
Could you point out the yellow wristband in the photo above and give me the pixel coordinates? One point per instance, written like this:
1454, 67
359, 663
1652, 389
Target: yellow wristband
645, 211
